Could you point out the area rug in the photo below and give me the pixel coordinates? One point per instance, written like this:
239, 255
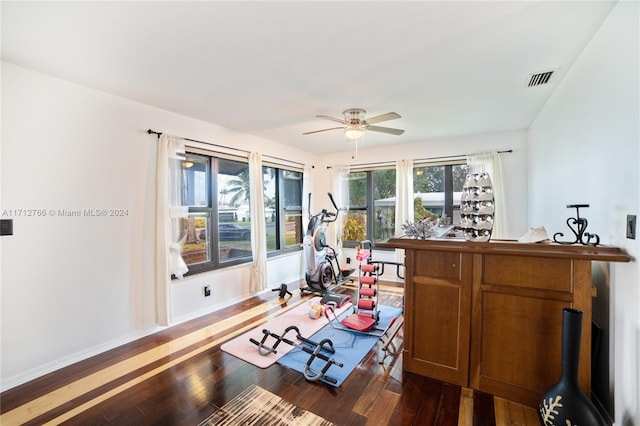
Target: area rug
350, 348
242, 348
256, 406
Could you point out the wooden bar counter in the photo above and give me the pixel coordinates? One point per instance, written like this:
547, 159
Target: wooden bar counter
489, 315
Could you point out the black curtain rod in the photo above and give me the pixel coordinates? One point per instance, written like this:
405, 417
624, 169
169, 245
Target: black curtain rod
455, 156
421, 159
153, 132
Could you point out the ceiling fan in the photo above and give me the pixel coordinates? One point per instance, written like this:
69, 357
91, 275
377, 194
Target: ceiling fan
355, 124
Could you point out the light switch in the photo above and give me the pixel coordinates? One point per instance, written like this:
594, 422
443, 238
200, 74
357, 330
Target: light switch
6, 226
631, 226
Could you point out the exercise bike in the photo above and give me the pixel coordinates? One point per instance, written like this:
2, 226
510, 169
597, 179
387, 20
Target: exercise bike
323, 272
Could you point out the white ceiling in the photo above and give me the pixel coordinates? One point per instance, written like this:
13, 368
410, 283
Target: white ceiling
267, 68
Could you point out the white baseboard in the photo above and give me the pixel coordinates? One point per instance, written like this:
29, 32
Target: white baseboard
58, 364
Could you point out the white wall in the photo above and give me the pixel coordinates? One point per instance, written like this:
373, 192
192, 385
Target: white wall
584, 148
75, 286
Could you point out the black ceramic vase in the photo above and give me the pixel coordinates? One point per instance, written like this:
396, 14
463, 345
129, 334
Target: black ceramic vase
564, 404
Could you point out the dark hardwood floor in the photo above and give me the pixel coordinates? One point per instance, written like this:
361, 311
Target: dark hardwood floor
180, 376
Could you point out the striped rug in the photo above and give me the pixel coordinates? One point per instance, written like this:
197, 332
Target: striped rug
256, 406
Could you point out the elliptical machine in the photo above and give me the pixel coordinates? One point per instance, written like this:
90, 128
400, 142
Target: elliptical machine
323, 272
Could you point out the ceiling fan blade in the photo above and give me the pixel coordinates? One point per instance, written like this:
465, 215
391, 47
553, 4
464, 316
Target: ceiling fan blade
389, 130
339, 120
383, 117
323, 130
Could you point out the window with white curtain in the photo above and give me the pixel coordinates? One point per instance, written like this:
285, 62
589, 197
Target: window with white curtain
217, 231
371, 213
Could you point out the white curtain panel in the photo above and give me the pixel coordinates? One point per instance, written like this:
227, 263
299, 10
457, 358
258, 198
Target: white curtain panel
258, 281
169, 213
404, 199
489, 162
404, 194
340, 191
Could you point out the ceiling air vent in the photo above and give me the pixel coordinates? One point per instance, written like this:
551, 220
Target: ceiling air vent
539, 79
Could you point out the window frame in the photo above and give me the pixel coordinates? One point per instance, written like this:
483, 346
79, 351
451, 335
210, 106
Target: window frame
369, 208
282, 210
448, 204
215, 262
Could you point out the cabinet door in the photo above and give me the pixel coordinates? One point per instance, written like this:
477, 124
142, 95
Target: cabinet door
437, 315
517, 323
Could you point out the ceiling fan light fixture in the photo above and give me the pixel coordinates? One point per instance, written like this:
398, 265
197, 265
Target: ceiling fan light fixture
353, 132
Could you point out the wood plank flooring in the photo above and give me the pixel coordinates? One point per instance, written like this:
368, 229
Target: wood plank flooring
180, 376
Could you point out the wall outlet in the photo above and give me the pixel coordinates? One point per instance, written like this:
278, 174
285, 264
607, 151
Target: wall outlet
631, 226
348, 260
206, 291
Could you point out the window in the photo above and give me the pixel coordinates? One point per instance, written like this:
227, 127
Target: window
234, 217
372, 199
283, 208
196, 227
437, 190
291, 188
372, 206
217, 231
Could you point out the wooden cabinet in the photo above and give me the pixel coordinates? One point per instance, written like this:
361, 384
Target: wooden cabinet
437, 334
517, 328
489, 315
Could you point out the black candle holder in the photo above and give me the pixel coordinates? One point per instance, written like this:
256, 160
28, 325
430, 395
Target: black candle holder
578, 225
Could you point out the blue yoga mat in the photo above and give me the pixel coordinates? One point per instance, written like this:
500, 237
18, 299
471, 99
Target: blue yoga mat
350, 347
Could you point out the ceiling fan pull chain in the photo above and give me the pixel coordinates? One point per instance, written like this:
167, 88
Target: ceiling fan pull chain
355, 158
